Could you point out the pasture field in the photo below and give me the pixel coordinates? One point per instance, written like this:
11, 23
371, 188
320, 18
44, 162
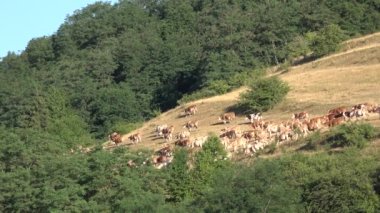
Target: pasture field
346, 78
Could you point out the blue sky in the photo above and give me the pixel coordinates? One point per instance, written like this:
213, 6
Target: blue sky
22, 20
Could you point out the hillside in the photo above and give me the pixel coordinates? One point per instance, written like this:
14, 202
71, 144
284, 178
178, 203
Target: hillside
343, 79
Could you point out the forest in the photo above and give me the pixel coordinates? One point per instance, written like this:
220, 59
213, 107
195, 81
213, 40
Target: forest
111, 67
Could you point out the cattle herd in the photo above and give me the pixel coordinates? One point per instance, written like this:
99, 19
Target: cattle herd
261, 132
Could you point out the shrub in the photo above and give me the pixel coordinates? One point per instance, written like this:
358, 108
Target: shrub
263, 95
312, 141
356, 135
341, 194
327, 40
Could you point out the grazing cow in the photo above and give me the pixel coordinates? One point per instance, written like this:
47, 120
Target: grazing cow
336, 115
190, 125
361, 112
300, 115
338, 110
115, 137
161, 161
183, 135
131, 164
377, 110
283, 136
135, 138
370, 107
184, 142
254, 117
159, 129
249, 135
227, 117
336, 121
199, 141
230, 132
191, 110
166, 151
259, 124
349, 114
168, 133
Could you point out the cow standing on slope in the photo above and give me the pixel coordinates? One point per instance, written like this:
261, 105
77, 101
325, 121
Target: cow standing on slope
227, 117
254, 117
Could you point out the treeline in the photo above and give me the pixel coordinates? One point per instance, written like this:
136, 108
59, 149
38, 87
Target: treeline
39, 175
108, 66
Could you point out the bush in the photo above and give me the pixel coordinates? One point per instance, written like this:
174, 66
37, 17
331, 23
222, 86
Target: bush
356, 135
328, 40
341, 194
312, 141
263, 95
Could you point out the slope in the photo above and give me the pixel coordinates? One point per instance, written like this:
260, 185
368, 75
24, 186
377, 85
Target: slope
343, 79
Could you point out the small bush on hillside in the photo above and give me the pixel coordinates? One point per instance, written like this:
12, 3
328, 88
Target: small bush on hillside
356, 135
263, 95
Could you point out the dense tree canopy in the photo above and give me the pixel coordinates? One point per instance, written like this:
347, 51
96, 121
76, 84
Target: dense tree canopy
152, 53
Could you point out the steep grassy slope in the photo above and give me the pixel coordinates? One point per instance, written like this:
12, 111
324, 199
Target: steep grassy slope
343, 79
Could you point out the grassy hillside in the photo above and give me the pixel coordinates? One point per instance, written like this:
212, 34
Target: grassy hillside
343, 79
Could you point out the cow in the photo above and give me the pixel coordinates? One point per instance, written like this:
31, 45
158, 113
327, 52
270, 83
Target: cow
166, 151
135, 138
191, 110
199, 141
159, 129
361, 112
338, 110
183, 135
161, 161
184, 142
249, 135
227, 117
377, 110
168, 133
336, 121
115, 137
300, 115
254, 117
230, 132
190, 125
131, 164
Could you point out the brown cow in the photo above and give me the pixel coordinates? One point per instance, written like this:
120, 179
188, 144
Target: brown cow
184, 142
115, 137
338, 110
183, 135
135, 138
227, 117
190, 125
336, 121
300, 115
168, 133
191, 110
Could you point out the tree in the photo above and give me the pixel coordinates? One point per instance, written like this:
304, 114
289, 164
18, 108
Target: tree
263, 95
327, 40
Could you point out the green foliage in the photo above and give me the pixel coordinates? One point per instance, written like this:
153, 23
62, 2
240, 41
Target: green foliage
327, 40
356, 135
207, 162
179, 180
313, 141
263, 95
341, 194
259, 188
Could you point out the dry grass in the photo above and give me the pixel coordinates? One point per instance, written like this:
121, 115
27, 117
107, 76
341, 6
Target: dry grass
342, 79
